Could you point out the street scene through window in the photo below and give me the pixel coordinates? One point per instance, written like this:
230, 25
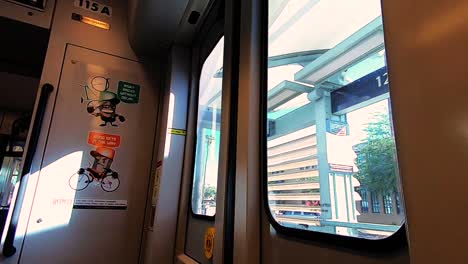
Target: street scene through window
330, 144
205, 174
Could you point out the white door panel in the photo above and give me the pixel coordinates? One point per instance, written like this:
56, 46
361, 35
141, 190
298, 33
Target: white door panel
58, 232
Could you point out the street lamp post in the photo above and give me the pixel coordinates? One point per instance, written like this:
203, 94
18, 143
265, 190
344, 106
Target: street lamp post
208, 141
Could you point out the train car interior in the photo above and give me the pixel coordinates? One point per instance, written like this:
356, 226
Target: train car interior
222, 131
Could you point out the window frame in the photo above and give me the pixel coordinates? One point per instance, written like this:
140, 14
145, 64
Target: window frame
213, 36
395, 242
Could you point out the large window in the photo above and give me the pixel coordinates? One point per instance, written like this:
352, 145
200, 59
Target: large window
388, 204
205, 173
375, 203
398, 202
329, 110
364, 202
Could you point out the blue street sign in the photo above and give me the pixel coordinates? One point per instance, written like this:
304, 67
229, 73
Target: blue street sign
361, 90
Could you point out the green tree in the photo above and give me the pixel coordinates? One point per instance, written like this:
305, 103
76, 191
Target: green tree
209, 193
376, 157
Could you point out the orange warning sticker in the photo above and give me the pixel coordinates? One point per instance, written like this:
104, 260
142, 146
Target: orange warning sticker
103, 140
209, 242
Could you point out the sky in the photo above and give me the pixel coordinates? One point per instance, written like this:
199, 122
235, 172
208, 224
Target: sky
311, 24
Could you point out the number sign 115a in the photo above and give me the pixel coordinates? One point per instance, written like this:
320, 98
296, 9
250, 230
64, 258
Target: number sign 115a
94, 7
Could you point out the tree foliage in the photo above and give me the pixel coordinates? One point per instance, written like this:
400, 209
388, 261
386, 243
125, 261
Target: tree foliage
376, 159
209, 193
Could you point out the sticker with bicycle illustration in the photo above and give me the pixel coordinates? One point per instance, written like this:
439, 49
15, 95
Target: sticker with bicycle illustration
102, 103
99, 171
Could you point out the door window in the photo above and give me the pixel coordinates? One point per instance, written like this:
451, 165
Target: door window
205, 174
329, 119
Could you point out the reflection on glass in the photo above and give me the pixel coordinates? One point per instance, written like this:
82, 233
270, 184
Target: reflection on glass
205, 173
330, 143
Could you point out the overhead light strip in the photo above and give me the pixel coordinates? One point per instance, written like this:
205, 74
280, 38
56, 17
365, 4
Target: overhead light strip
91, 21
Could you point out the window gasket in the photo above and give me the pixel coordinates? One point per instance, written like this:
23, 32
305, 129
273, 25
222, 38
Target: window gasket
395, 242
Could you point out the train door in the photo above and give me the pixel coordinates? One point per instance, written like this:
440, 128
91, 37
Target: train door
328, 166
203, 208
329, 162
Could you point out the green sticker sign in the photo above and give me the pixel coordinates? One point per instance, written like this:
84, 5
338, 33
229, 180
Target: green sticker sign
129, 92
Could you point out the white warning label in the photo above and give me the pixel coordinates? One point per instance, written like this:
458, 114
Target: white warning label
100, 204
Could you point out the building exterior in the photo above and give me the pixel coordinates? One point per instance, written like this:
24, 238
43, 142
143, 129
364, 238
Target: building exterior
296, 194
376, 207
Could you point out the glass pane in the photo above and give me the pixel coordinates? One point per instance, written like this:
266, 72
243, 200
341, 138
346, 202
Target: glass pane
9, 175
330, 143
375, 203
364, 202
205, 175
398, 203
388, 206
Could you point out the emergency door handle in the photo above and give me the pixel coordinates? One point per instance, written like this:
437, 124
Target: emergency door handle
8, 247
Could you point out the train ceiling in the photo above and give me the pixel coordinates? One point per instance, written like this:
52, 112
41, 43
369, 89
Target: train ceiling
155, 25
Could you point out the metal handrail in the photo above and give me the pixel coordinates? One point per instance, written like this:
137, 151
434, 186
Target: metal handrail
8, 247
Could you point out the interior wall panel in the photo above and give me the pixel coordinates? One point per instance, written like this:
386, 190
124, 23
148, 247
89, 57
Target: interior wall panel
113, 42
426, 43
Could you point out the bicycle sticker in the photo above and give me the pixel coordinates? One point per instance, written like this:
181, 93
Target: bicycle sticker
99, 172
